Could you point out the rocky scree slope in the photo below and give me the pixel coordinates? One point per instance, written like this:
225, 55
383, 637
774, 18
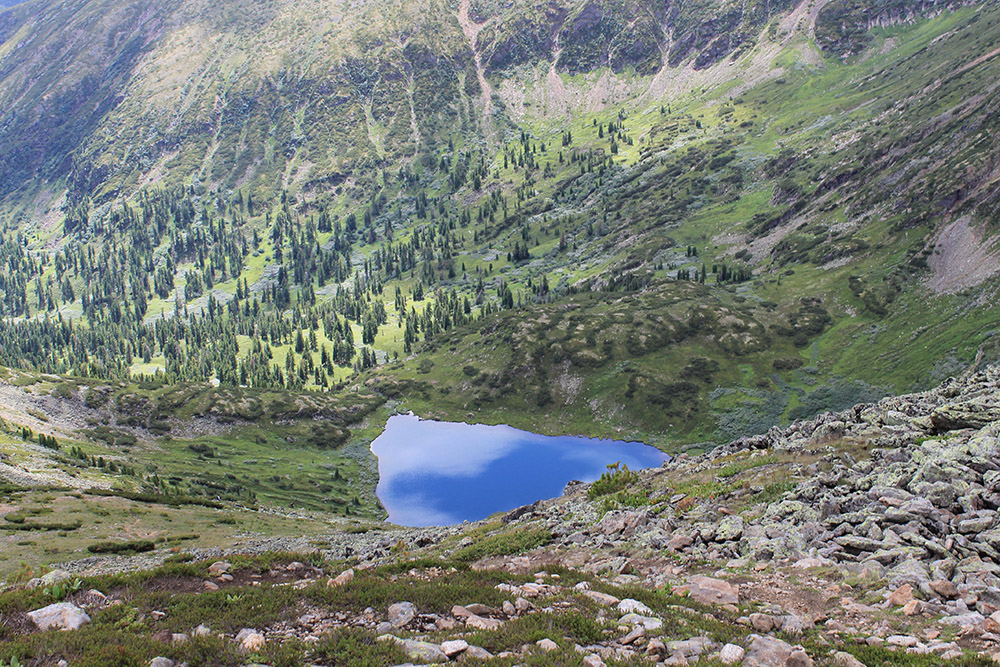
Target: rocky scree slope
898, 497
866, 537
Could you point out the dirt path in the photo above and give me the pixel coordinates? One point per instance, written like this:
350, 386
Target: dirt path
471, 30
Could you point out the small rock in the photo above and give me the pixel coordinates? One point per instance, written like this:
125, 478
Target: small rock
630, 606
250, 640
602, 598
547, 645
944, 588
210, 586
477, 653
902, 640
54, 577
799, 658
841, 659
656, 648
901, 595
635, 633
593, 660
454, 647
479, 609
767, 652
421, 652
62, 615
202, 631
912, 608
711, 591
731, 654
648, 622
161, 662
482, 623
219, 567
344, 577
508, 608
762, 623
401, 613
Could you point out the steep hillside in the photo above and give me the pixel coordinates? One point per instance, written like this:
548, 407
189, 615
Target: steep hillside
446, 203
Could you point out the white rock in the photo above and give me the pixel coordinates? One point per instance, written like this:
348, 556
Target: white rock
630, 606
62, 615
342, 578
250, 640
648, 622
547, 645
731, 654
454, 647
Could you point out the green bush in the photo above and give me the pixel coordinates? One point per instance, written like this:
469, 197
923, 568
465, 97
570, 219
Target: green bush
504, 544
132, 546
354, 647
617, 478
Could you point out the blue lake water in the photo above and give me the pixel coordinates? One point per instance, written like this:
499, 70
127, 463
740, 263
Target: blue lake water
438, 473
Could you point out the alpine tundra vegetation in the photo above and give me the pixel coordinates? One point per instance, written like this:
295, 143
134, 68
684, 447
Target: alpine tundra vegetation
237, 237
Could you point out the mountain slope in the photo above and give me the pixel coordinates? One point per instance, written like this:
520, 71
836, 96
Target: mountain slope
415, 187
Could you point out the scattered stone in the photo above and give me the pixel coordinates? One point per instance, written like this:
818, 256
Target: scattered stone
767, 652
477, 653
454, 647
799, 658
402, 613
656, 648
634, 634
731, 654
161, 662
421, 652
54, 577
483, 623
944, 588
547, 645
479, 609
630, 606
344, 577
202, 631
762, 623
219, 567
841, 659
602, 598
61, 615
901, 596
250, 640
711, 591
648, 622
593, 660
902, 640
